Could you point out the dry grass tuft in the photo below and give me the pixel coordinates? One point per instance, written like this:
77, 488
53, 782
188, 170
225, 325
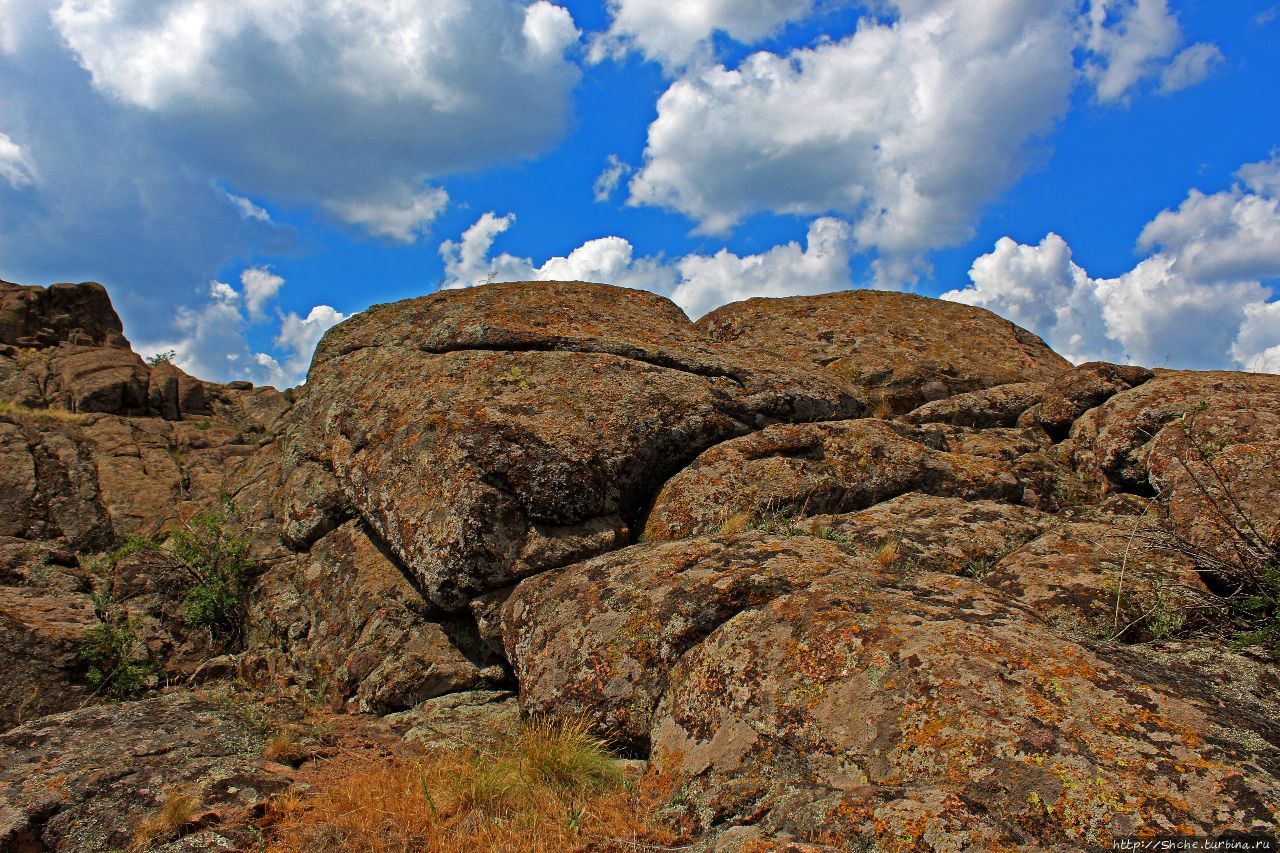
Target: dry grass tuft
174, 813
553, 788
283, 747
16, 411
889, 553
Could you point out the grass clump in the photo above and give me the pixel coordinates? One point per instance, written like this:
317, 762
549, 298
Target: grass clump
19, 412
554, 787
166, 822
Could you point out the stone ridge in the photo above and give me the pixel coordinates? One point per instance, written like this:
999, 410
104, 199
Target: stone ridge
862, 570
32, 316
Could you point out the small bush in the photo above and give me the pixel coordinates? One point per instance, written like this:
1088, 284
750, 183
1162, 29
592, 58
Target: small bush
213, 550
166, 357
552, 788
118, 664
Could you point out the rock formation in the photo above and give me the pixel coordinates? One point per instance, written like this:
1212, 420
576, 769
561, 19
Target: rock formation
865, 570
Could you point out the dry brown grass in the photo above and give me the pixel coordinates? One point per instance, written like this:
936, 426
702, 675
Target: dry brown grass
889, 553
14, 410
553, 788
174, 813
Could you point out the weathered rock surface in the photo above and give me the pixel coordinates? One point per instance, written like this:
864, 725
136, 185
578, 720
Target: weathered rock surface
495, 432
1000, 406
927, 533
344, 618
1207, 442
85, 779
929, 716
44, 316
902, 350
41, 632
1099, 579
815, 469
599, 638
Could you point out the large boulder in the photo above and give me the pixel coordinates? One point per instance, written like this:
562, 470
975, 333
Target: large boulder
902, 350
496, 432
929, 533
85, 780
794, 470
1208, 443
929, 716
1100, 579
49, 486
344, 622
46, 316
597, 639
41, 633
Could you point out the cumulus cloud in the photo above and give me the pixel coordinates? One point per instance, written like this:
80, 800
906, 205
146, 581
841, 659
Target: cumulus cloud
1199, 300
607, 260
260, 287
15, 168
212, 341
678, 34
607, 181
821, 265
906, 127
697, 283
1190, 67
1129, 41
403, 217
253, 90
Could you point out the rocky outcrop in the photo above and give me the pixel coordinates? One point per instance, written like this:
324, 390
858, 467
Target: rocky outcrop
492, 433
901, 350
813, 469
930, 716
84, 780
45, 316
599, 639
376, 643
997, 615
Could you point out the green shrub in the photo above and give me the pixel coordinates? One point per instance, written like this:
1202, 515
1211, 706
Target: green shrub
212, 547
118, 664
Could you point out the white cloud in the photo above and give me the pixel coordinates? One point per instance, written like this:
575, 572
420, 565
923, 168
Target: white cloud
340, 103
1198, 301
15, 168
402, 217
1190, 67
906, 127
607, 181
1258, 345
212, 338
248, 210
789, 269
607, 260
299, 336
1226, 235
677, 34
1130, 41
260, 287
697, 283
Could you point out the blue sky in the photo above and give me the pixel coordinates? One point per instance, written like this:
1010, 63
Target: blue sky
243, 175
